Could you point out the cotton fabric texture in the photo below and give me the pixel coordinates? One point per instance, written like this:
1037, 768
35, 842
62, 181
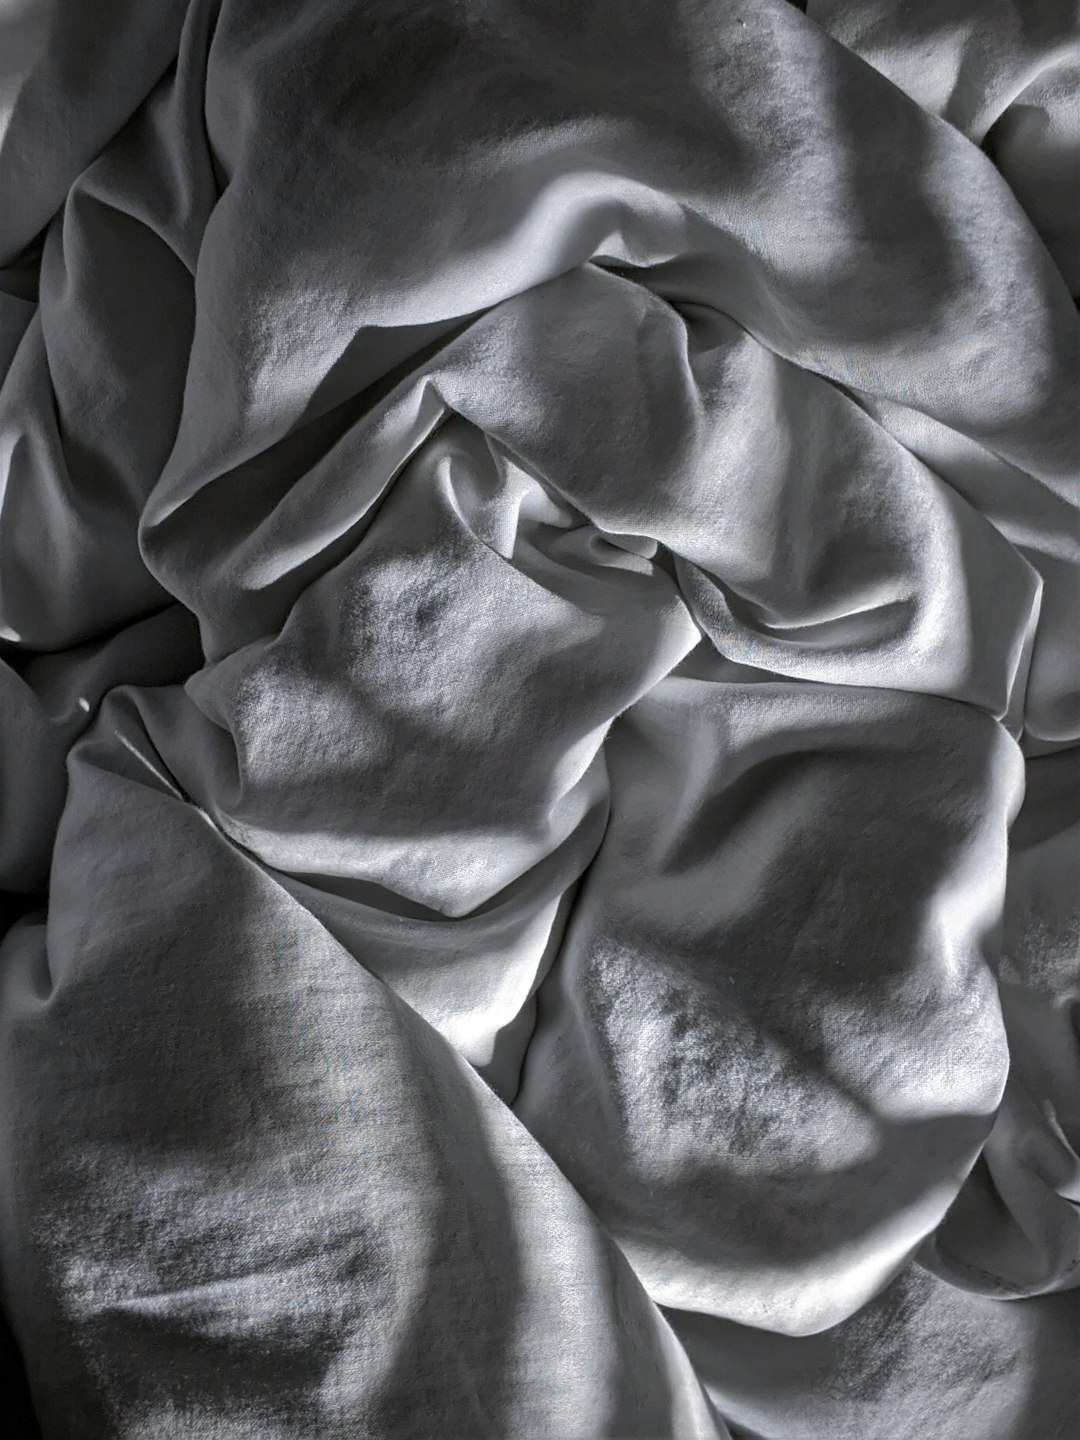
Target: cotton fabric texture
539, 719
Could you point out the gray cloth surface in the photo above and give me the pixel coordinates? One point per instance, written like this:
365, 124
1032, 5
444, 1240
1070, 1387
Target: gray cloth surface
540, 719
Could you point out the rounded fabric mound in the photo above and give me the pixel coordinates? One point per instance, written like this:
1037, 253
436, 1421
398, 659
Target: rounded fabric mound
540, 719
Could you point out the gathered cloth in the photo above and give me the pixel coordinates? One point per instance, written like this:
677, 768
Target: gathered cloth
539, 719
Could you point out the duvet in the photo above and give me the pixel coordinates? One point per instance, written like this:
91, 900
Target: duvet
539, 719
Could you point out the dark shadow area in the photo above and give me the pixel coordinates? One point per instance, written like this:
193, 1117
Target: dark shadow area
16, 1410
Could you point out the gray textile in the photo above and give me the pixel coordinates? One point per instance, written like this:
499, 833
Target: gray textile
540, 719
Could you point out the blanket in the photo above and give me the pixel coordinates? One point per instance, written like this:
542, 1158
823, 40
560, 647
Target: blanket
540, 719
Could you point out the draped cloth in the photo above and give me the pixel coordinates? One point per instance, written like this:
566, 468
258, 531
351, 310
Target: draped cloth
539, 719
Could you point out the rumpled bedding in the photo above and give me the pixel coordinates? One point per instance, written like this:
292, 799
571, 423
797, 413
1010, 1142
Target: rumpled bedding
540, 814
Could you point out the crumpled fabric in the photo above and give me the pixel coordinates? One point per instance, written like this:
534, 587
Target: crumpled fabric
539, 783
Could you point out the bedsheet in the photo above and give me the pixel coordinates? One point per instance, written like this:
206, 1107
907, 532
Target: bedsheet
539, 719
